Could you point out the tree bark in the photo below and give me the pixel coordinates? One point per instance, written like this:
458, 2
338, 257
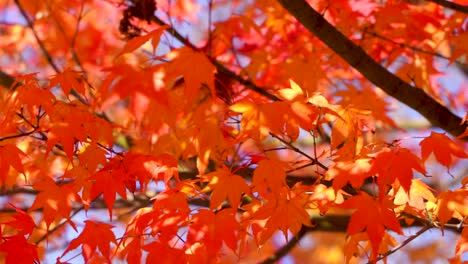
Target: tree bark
414, 97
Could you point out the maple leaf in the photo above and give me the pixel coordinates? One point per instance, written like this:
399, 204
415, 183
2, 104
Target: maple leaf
324, 197
146, 167
442, 147
23, 222
163, 253
137, 42
131, 249
95, 235
92, 156
354, 172
416, 198
225, 184
183, 63
451, 204
68, 79
373, 217
393, 164
346, 135
31, 96
55, 200
176, 198
19, 250
66, 118
269, 175
10, 155
462, 243
285, 212
212, 229
109, 181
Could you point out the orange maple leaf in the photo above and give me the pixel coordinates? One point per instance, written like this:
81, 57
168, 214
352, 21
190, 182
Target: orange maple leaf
196, 69
415, 201
442, 147
31, 96
284, 212
56, 200
137, 42
451, 204
354, 172
397, 163
147, 167
10, 155
269, 175
373, 216
68, 80
225, 184
109, 181
213, 228
94, 236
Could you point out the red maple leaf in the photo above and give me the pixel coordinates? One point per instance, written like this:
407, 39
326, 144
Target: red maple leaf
372, 216
225, 184
109, 181
392, 164
18, 250
95, 235
55, 200
442, 147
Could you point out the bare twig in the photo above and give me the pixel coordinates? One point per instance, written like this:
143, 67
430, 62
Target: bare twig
46, 54
295, 149
286, 248
404, 45
57, 227
404, 243
220, 67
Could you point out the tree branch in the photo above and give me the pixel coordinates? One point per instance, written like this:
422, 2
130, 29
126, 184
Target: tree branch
219, 67
412, 96
46, 54
339, 223
6, 79
451, 5
286, 248
29, 22
404, 243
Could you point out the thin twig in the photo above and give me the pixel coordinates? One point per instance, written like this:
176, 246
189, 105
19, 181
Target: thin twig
404, 243
220, 67
30, 24
286, 248
294, 148
49, 232
210, 35
46, 54
404, 45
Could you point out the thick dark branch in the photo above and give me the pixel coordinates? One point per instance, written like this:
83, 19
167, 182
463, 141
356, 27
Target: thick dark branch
6, 79
451, 5
412, 96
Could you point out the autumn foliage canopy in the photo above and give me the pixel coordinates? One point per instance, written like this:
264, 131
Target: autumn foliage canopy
211, 131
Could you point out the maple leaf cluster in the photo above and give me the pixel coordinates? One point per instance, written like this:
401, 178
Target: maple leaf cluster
233, 140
